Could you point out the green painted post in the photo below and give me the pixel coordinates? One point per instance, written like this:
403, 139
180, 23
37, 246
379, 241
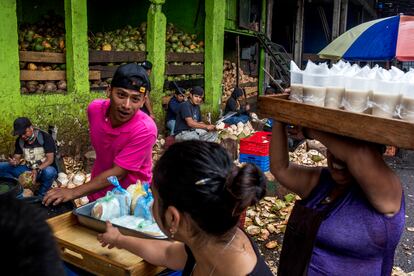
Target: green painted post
156, 29
262, 51
213, 55
77, 56
10, 98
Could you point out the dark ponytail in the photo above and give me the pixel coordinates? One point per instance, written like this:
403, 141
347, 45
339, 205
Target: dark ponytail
200, 179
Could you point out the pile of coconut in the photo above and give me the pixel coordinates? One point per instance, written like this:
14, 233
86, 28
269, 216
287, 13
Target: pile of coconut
158, 148
229, 79
234, 132
71, 181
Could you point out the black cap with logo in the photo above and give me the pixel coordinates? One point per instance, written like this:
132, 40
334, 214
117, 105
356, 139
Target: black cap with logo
20, 125
131, 76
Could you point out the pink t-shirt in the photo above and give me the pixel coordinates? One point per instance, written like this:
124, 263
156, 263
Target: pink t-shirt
128, 146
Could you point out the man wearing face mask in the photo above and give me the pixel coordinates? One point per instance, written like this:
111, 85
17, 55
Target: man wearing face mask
121, 134
188, 124
36, 149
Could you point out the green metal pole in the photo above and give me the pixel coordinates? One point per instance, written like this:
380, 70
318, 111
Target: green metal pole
213, 55
10, 98
262, 51
156, 29
76, 23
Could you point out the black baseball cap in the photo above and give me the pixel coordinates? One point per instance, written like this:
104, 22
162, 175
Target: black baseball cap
131, 76
20, 125
147, 65
197, 90
179, 91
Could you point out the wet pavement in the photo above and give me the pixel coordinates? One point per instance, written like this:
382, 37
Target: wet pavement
403, 165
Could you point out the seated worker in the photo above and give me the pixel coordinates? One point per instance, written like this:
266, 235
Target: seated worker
235, 104
172, 111
28, 240
188, 124
199, 209
37, 149
270, 90
147, 108
121, 135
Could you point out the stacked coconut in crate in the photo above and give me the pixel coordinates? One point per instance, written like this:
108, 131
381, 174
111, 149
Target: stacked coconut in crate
184, 60
229, 81
108, 50
42, 55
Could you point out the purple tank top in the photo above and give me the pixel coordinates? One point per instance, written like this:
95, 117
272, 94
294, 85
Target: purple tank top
354, 239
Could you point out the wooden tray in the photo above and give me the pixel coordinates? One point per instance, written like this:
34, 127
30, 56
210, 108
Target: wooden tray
79, 246
356, 125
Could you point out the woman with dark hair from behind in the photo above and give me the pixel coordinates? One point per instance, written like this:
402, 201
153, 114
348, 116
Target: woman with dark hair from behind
199, 196
236, 104
26, 241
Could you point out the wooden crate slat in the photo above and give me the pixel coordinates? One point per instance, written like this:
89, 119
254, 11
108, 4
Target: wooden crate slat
27, 75
360, 126
106, 71
184, 83
184, 69
44, 57
185, 57
248, 84
115, 56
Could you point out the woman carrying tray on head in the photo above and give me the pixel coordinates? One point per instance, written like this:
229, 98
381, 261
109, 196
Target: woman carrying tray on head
199, 208
351, 215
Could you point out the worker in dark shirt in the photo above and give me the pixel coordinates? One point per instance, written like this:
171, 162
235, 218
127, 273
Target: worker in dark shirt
173, 108
235, 104
189, 125
37, 149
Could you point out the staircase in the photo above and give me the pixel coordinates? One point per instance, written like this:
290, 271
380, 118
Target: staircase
278, 57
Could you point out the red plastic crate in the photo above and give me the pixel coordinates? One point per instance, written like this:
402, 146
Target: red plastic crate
257, 144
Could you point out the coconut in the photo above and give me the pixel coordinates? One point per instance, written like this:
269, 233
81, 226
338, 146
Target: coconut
27, 193
78, 179
50, 86
31, 67
26, 180
63, 179
61, 85
220, 126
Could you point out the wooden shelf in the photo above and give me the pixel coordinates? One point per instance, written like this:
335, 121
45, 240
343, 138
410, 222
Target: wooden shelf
184, 69
27, 75
116, 56
185, 57
356, 125
43, 57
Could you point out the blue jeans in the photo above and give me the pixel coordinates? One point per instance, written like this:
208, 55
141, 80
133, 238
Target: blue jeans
171, 126
46, 176
233, 120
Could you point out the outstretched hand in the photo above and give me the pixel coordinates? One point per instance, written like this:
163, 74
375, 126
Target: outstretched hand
58, 195
110, 237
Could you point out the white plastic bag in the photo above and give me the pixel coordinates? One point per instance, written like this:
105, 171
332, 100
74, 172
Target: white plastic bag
314, 83
296, 83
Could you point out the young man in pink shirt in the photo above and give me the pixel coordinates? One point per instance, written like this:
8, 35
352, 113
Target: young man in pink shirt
121, 134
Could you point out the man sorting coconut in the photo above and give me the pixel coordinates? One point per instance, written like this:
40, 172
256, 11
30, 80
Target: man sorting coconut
121, 134
34, 157
188, 124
